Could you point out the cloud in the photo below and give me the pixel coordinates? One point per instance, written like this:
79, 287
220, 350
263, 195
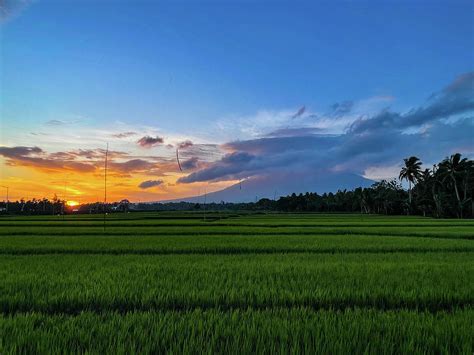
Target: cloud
455, 99
294, 132
341, 108
35, 157
382, 172
81, 160
185, 144
205, 152
11, 8
150, 183
276, 145
191, 163
369, 146
148, 142
257, 125
14, 152
225, 168
63, 123
300, 112
89, 154
263, 156
55, 123
124, 135
99, 153
134, 166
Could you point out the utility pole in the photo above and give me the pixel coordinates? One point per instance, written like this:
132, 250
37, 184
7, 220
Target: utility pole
63, 205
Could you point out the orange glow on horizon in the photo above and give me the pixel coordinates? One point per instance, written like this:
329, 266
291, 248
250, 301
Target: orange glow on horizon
82, 187
72, 203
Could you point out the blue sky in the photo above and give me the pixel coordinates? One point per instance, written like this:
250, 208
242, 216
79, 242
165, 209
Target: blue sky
195, 61
216, 72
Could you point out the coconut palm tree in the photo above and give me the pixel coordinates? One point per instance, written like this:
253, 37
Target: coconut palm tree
454, 167
468, 185
410, 172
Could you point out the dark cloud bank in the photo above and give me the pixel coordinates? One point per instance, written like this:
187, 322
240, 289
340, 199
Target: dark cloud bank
382, 140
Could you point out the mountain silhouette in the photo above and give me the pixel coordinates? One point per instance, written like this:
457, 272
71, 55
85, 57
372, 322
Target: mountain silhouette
274, 186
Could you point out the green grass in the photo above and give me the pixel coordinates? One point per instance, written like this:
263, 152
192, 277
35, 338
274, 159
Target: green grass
285, 283
241, 332
225, 244
71, 284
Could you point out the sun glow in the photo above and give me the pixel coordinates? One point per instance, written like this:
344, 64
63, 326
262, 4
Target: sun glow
72, 203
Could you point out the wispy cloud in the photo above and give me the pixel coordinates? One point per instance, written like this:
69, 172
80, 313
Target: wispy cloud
9, 9
55, 123
123, 134
341, 108
185, 144
74, 120
299, 113
455, 99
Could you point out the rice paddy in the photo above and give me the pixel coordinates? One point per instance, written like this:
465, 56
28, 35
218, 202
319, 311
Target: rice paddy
236, 283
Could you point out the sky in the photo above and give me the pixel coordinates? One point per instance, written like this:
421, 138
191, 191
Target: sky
242, 89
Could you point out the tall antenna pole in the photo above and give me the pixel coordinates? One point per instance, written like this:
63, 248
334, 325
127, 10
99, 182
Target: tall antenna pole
105, 181
63, 206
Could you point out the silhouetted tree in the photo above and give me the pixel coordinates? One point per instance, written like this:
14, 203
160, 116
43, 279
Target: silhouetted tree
411, 173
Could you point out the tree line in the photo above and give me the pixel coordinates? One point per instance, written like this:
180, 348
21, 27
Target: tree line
444, 191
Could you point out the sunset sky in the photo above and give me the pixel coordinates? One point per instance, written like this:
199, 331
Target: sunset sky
242, 88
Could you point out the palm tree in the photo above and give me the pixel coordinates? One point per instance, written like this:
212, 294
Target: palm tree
411, 173
423, 187
468, 184
452, 168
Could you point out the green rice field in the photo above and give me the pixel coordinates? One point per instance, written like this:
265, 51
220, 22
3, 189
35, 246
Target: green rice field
182, 282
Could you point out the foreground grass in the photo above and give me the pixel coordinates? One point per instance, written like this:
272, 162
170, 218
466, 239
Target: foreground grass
296, 330
451, 232
174, 282
225, 244
74, 283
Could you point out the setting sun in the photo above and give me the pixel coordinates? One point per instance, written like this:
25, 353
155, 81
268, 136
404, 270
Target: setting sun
72, 203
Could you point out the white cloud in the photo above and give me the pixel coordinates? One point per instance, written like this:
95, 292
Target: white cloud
382, 172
